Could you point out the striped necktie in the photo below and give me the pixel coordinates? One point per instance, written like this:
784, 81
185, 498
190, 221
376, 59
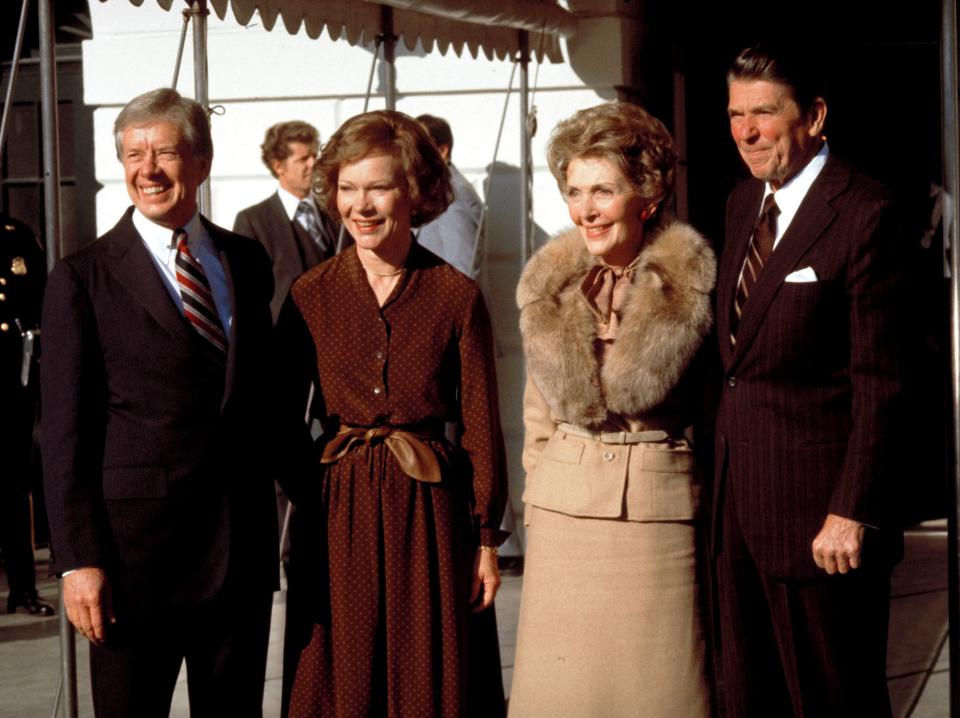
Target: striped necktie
198, 305
761, 245
306, 216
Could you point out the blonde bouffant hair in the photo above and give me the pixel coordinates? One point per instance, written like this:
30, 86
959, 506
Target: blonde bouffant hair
629, 137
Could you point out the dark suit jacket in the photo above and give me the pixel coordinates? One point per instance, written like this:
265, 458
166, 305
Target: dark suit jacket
292, 251
154, 463
812, 390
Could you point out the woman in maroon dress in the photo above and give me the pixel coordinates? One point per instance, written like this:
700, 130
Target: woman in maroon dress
393, 565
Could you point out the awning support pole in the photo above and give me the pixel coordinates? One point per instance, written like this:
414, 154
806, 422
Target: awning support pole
951, 184
201, 91
389, 57
14, 67
526, 173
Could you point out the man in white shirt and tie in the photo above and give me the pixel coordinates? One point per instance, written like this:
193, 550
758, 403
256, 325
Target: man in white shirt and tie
155, 385
296, 233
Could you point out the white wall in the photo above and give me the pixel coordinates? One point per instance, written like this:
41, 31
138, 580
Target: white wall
262, 77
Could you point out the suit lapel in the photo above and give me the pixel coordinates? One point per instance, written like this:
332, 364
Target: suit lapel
138, 274
809, 223
740, 218
236, 337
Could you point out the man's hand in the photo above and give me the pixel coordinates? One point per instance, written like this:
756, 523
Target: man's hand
87, 598
486, 574
837, 547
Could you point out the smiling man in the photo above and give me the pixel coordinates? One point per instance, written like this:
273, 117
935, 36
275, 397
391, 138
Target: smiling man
808, 296
296, 233
155, 383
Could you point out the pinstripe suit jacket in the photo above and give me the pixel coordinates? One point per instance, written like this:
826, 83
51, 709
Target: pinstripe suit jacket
812, 387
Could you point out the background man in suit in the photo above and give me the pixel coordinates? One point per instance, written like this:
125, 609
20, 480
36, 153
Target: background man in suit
22, 274
810, 346
296, 233
454, 235
155, 386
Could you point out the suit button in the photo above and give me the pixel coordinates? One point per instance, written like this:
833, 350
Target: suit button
731, 381
608, 456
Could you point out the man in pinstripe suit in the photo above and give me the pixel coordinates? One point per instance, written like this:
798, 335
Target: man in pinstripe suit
805, 533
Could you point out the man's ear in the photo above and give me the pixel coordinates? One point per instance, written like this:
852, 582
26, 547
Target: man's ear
817, 117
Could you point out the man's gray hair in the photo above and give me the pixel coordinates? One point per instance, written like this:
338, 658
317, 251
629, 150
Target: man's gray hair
166, 105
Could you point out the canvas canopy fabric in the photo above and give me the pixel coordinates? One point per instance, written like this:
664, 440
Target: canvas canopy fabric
487, 26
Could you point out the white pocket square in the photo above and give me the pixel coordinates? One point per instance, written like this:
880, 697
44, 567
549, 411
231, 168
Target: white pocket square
802, 275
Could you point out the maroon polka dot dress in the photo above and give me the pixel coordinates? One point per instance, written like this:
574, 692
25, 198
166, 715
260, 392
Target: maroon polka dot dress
378, 616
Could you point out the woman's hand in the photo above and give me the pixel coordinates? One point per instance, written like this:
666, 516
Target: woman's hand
486, 574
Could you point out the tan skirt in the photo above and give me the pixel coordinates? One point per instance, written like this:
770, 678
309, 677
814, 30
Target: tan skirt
609, 620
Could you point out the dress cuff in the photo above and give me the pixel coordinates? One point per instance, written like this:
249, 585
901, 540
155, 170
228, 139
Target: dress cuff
493, 537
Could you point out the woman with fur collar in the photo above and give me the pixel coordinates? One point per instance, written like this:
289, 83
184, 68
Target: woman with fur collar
613, 315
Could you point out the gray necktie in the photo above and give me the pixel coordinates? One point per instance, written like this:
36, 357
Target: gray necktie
306, 216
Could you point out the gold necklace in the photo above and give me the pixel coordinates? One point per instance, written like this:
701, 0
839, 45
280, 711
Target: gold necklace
384, 274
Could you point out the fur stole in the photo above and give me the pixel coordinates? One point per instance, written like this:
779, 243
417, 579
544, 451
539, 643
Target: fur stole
665, 319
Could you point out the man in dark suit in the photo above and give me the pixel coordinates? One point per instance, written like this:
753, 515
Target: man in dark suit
807, 315
22, 275
296, 233
155, 388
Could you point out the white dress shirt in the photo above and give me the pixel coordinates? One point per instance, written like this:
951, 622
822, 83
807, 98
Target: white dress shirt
791, 194
158, 240
291, 201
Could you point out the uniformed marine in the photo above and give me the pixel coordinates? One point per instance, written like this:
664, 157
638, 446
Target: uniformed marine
22, 277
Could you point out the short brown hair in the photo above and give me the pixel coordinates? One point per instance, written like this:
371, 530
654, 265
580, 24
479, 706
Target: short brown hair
636, 142
426, 175
794, 66
275, 143
439, 130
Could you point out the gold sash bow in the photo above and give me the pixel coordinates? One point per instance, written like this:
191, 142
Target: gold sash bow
416, 459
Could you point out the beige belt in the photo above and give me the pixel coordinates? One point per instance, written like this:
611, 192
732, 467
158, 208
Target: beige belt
416, 459
615, 437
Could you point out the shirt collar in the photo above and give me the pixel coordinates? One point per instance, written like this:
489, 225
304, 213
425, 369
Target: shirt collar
158, 238
791, 194
291, 201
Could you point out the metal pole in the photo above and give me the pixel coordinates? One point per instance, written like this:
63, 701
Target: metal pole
18, 46
951, 183
526, 175
199, 11
389, 57
51, 132
68, 661
51, 211
183, 41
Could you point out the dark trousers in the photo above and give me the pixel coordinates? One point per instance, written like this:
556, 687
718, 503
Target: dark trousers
16, 448
801, 648
223, 641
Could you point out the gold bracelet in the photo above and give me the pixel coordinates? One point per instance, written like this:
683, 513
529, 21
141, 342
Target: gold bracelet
491, 549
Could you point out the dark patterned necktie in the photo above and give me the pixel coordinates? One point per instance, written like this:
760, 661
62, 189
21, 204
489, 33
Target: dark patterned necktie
761, 245
306, 216
198, 305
